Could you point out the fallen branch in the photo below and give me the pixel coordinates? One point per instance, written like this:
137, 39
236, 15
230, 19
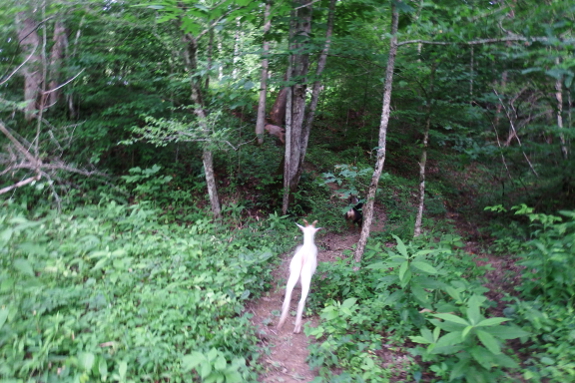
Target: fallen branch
21, 183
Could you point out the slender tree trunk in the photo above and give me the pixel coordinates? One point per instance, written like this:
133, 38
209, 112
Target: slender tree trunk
264, 77
316, 88
56, 58
221, 54
471, 69
236, 49
368, 206
29, 43
300, 65
191, 62
559, 98
288, 143
210, 59
72, 108
423, 160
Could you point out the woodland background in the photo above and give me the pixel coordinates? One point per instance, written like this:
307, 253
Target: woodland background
156, 153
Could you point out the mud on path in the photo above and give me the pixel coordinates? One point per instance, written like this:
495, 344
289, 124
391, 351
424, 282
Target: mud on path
286, 360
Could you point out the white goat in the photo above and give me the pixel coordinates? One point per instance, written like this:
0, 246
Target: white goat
302, 268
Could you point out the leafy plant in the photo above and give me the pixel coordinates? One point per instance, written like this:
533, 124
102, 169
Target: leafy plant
155, 292
470, 346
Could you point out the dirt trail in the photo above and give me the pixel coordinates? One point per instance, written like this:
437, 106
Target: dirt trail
286, 362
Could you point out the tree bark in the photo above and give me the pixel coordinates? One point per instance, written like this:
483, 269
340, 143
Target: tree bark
316, 88
56, 57
261, 120
278, 112
300, 65
559, 98
236, 57
386, 108
423, 160
29, 43
191, 48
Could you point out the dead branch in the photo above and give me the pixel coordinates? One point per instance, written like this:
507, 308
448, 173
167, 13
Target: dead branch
21, 183
512, 125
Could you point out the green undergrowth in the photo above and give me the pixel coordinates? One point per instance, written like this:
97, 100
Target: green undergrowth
546, 306
422, 303
109, 293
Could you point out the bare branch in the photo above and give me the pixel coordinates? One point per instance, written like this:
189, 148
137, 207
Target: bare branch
480, 41
19, 146
21, 183
64, 84
19, 66
306, 5
515, 133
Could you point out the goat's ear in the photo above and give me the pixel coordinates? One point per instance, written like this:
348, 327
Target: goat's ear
300, 226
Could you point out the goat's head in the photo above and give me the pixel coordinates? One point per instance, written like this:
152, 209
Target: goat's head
309, 228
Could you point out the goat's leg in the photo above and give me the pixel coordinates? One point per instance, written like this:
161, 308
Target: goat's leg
293, 277
306, 275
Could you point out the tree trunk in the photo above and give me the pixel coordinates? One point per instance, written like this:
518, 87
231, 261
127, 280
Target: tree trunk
261, 121
316, 88
191, 63
368, 206
278, 112
559, 98
288, 143
56, 57
423, 160
29, 43
299, 69
236, 49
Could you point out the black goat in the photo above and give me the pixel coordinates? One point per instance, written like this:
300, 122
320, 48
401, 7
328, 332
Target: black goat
354, 215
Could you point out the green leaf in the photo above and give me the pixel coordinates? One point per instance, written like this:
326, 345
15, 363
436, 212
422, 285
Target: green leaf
492, 322
465, 332
233, 377
205, 369
403, 269
473, 312
220, 363
489, 341
3, 317
452, 318
453, 293
123, 369
420, 294
506, 332
401, 246
406, 278
450, 339
459, 369
483, 356
419, 339
505, 361
5, 236
212, 354
103, 368
86, 360
425, 267
189, 362
348, 303
23, 266
426, 333
548, 361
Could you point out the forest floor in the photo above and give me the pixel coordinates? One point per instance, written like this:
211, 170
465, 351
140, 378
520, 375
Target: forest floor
285, 353
286, 360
